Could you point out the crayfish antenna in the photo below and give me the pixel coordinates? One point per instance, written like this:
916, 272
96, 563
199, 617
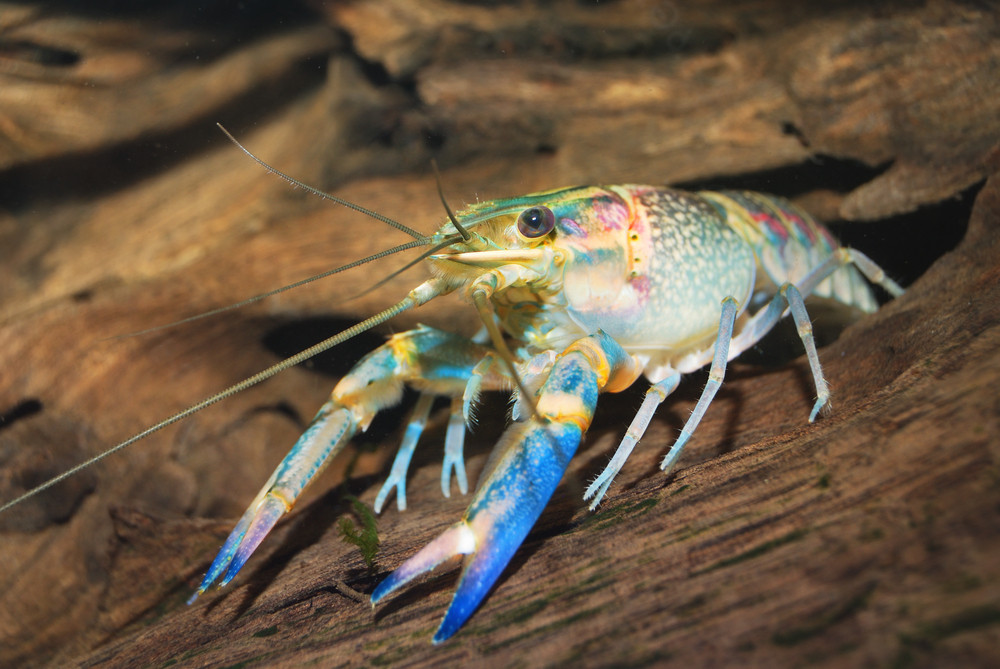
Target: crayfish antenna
451, 215
326, 196
326, 436
276, 291
419, 295
419, 240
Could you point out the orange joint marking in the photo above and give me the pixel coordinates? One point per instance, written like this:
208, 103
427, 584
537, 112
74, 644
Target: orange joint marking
563, 407
624, 376
844, 254
289, 503
402, 348
592, 351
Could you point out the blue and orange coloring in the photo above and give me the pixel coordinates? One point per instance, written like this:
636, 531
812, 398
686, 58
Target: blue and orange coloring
592, 288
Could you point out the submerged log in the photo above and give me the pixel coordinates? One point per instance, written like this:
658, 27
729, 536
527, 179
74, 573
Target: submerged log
867, 537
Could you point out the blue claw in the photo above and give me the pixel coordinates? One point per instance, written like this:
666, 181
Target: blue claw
504, 514
268, 514
330, 430
498, 520
442, 363
523, 472
224, 557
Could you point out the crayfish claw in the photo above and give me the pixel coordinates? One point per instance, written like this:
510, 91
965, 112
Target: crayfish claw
456, 540
271, 509
242, 542
520, 477
330, 430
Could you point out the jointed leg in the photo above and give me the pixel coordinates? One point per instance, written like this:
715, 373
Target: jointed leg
872, 272
400, 466
715, 375
765, 319
454, 442
728, 347
654, 397
526, 466
438, 361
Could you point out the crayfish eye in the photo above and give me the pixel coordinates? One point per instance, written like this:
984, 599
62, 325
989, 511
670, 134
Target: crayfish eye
536, 222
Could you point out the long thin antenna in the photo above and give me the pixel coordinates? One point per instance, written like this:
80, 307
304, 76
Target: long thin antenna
257, 298
326, 196
445, 243
454, 221
379, 318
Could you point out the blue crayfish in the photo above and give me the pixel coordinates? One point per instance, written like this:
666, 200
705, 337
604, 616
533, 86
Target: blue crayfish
580, 291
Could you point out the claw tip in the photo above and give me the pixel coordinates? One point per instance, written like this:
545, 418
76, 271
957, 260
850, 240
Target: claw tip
445, 631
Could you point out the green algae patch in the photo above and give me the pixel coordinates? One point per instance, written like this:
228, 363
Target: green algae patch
755, 552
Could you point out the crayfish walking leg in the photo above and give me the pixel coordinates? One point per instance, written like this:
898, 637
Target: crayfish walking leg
520, 477
436, 362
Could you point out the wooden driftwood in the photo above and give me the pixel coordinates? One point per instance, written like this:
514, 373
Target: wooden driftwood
869, 537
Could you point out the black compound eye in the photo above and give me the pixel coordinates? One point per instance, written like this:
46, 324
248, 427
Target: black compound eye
536, 222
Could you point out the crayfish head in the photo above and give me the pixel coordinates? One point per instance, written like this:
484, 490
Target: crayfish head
512, 256
530, 239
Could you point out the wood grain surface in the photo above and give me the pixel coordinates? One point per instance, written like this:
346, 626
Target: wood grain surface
867, 538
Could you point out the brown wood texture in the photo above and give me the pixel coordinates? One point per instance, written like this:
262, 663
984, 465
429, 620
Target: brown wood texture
867, 538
